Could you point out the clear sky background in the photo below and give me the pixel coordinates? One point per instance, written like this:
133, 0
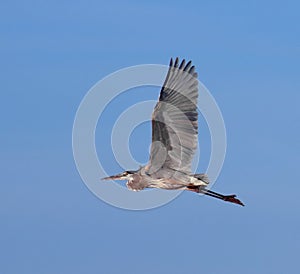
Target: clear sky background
247, 54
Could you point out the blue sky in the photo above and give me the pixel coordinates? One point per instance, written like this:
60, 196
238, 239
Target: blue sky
247, 54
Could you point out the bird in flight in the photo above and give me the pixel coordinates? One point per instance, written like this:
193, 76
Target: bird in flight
174, 139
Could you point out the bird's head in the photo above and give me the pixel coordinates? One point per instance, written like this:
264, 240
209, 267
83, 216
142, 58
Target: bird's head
126, 175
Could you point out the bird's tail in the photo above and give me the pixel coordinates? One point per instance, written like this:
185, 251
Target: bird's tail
202, 177
201, 188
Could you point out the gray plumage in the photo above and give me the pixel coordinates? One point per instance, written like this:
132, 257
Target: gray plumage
174, 138
175, 121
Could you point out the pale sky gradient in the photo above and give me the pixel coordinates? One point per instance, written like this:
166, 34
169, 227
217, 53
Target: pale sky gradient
247, 54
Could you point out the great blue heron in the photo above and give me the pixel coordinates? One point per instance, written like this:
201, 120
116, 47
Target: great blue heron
174, 139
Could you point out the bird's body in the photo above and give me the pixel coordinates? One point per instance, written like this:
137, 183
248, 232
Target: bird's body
140, 179
174, 138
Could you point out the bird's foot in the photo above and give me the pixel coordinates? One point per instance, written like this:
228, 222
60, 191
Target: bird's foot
232, 199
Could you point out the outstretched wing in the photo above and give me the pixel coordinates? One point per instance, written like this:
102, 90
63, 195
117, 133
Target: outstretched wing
175, 120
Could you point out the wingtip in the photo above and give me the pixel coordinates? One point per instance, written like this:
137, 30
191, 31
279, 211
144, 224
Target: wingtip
182, 64
192, 69
176, 62
188, 65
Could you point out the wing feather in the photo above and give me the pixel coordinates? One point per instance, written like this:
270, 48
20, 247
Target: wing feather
175, 120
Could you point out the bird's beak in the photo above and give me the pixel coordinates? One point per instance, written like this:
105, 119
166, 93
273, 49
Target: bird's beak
115, 177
